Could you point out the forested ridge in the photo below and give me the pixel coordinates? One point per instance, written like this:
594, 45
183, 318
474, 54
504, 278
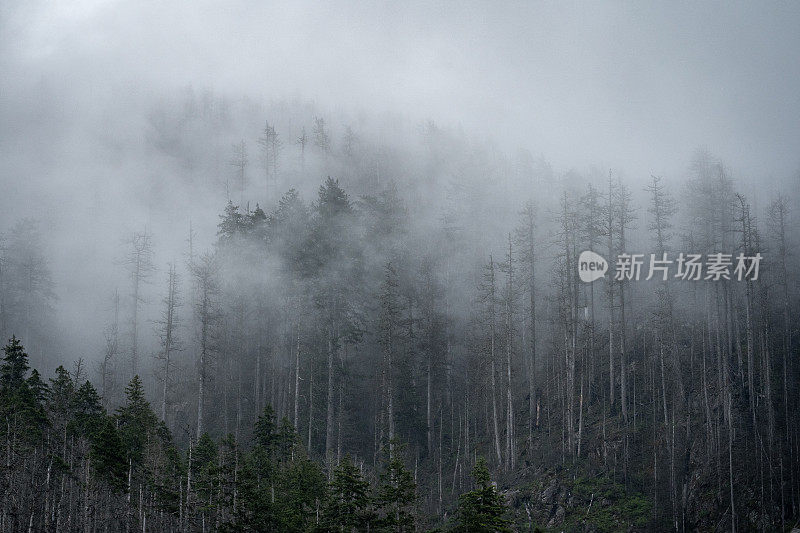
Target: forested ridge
410, 348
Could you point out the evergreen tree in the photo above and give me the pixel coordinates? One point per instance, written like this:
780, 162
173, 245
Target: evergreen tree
205, 468
232, 223
482, 509
14, 367
38, 387
108, 455
397, 497
136, 420
349, 506
87, 411
302, 488
20, 398
264, 431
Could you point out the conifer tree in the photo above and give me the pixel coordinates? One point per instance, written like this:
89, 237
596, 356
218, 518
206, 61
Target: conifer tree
108, 455
136, 420
482, 510
397, 497
349, 506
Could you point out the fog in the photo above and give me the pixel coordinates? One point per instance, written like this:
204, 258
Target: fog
442, 122
604, 83
634, 88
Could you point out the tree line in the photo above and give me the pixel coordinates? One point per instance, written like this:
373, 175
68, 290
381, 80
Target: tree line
71, 466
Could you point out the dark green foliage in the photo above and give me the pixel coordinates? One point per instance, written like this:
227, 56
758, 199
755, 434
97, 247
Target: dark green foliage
349, 506
136, 420
205, 468
264, 432
108, 455
280, 488
482, 509
14, 367
626, 508
397, 498
87, 412
62, 388
21, 397
302, 490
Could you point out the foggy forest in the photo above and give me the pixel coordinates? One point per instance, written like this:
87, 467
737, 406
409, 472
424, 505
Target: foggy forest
323, 267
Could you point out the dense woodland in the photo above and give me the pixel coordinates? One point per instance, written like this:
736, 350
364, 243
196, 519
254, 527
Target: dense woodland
381, 338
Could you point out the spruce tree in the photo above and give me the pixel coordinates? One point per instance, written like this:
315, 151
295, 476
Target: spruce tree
108, 455
482, 509
20, 403
397, 497
349, 505
15, 365
87, 411
136, 420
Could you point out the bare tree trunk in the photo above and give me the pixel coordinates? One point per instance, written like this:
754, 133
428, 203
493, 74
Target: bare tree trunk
492, 357
330, 405
297, 380
730, 465
310, 403
169, 323
532, 326
510, 437
429, 427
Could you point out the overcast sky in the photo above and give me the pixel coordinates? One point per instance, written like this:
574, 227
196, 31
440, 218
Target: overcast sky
615, 84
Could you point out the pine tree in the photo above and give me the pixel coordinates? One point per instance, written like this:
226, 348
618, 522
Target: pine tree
205, 273
264, 431
15, 366
205, 477
349, 506
87, 411
232, 224
108, 455
170, 343
136, 420
20, 398
397, 497
483, 509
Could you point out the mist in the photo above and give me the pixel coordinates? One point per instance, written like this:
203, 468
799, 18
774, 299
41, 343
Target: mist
439, 123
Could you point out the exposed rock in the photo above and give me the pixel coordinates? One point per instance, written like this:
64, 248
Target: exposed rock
549, 494
558, 517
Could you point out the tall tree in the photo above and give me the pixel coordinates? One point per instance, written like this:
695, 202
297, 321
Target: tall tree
488, 299
205, 272
139, 262
526, 241
239, 161
168, 332
112, 350
322, 139
509, 302
271, 146
302, 141
389, 326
